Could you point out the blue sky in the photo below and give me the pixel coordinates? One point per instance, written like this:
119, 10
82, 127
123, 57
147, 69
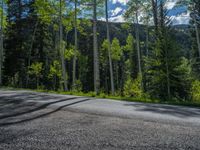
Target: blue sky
179, 15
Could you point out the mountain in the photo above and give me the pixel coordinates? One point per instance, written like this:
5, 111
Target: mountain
179, 15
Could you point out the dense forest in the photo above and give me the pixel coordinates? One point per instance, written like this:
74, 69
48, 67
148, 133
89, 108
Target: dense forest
65, 45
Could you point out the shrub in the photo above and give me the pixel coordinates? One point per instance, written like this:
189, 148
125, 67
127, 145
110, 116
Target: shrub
132, 88
92, 94
195, 91
102, 95
78, 86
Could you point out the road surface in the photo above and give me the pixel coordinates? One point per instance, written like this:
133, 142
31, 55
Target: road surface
33, 121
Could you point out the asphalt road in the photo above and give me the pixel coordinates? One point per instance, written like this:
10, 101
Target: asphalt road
30, 120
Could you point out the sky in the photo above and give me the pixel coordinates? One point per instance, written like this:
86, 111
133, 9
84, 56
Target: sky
179, 15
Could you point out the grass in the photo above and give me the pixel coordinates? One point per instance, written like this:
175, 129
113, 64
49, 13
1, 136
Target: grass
119, 98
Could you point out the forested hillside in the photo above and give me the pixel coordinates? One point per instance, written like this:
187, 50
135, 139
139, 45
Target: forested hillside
63, 46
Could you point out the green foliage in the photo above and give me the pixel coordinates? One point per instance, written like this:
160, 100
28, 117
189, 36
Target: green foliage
156, 71
127, 68
102, 95
104, 53
35, 69
78, 87
130, 62
195, 91
45, 10
55, 70
14, 81
81, 24
116, 50
133, 7
3, 10
167, 60
196, 67
83, 70
126, 26
92, 94
69, 53
129, 47
182, 75
105, 45
132, 88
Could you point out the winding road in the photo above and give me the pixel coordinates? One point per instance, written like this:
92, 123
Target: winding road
31, 121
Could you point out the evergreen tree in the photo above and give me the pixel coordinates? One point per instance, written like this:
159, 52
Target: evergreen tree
18, 33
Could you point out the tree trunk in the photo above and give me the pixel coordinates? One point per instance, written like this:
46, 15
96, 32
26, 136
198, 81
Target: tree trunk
197, 35
138, 44
37, 82
95, 48
147, 55
75, 46
54, 83
117, 75
62, 48
122, 75
168, 80
1, 43
147, 40
138, 49
109, 49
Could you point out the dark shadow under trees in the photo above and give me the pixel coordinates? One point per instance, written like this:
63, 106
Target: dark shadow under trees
13, 108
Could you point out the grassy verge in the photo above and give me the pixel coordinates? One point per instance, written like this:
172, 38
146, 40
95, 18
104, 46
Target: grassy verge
119, 98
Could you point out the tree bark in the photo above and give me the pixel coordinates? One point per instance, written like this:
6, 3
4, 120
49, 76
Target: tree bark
147, 40
168, 79
75, 45
138, 44
62, 48
109, 49
37, 80
138, 49
95, 49
197, 35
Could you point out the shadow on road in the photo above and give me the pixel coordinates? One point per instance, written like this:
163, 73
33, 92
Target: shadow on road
177, 111
13, 107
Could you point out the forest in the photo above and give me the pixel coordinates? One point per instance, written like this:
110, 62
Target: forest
72, 46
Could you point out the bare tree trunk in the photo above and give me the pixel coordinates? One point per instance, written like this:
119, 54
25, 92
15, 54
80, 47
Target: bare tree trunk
62, 48
197, 35
95, 48
138, 44
168, 80
117, 75
1, 43
37, 80
75, 46
109, 50
147, 40
54, 83
138, 49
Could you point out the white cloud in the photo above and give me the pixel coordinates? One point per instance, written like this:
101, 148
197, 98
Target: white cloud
121, 1
117, 19
181, 19
170, 4
116, 11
